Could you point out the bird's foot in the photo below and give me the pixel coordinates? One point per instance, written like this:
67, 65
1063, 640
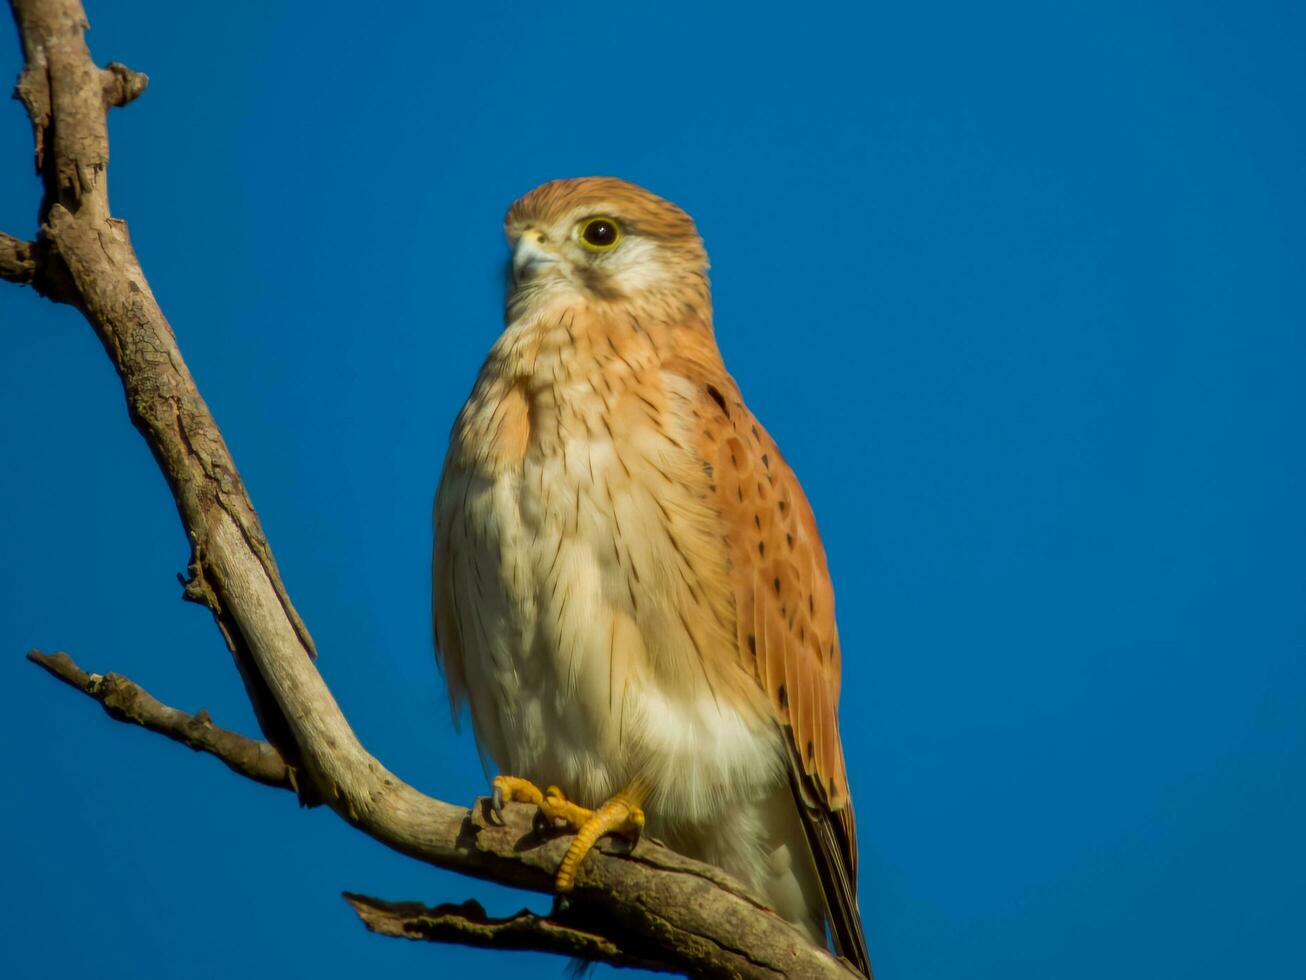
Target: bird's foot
513, 789
554, 810
619, 815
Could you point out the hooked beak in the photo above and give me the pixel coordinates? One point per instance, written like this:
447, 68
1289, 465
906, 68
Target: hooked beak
531, 256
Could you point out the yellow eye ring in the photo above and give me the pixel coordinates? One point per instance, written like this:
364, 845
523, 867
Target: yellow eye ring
599, 234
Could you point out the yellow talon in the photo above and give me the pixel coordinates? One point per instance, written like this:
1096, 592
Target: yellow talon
513, 789
562, 812
620, 815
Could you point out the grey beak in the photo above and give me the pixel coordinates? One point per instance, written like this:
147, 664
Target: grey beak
530, 256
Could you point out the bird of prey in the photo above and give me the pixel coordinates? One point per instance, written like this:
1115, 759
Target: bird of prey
630, 591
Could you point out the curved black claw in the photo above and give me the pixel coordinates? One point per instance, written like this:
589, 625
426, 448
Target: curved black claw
496, 804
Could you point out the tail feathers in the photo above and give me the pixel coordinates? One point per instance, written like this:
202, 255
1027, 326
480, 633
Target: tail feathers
830, 836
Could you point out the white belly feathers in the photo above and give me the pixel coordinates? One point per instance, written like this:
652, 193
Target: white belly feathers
581, 580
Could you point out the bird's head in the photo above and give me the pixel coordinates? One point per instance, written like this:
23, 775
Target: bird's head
604, 239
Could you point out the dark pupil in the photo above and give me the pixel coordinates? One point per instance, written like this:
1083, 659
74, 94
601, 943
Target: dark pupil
600, 233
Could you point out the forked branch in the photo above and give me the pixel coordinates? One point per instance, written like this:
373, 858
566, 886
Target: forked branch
125, 700
468, 925
651, 908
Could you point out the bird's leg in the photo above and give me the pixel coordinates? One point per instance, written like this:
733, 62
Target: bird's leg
622, 814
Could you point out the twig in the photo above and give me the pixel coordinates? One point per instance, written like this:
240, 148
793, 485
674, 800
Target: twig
38, 265
125, 700
468, 925
17, 261
121, 85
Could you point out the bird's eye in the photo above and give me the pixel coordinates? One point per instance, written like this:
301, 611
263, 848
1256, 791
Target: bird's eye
599, 234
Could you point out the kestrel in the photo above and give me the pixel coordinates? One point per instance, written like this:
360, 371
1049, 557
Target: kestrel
630, 590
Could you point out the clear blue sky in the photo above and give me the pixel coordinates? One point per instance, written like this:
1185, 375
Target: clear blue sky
1019, 290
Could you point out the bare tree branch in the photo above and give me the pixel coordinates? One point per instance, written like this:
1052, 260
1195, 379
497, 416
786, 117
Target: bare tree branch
121, 85
127, 701
17, 260
629, 901
653, 906
33, 264
468, 925
61, 84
